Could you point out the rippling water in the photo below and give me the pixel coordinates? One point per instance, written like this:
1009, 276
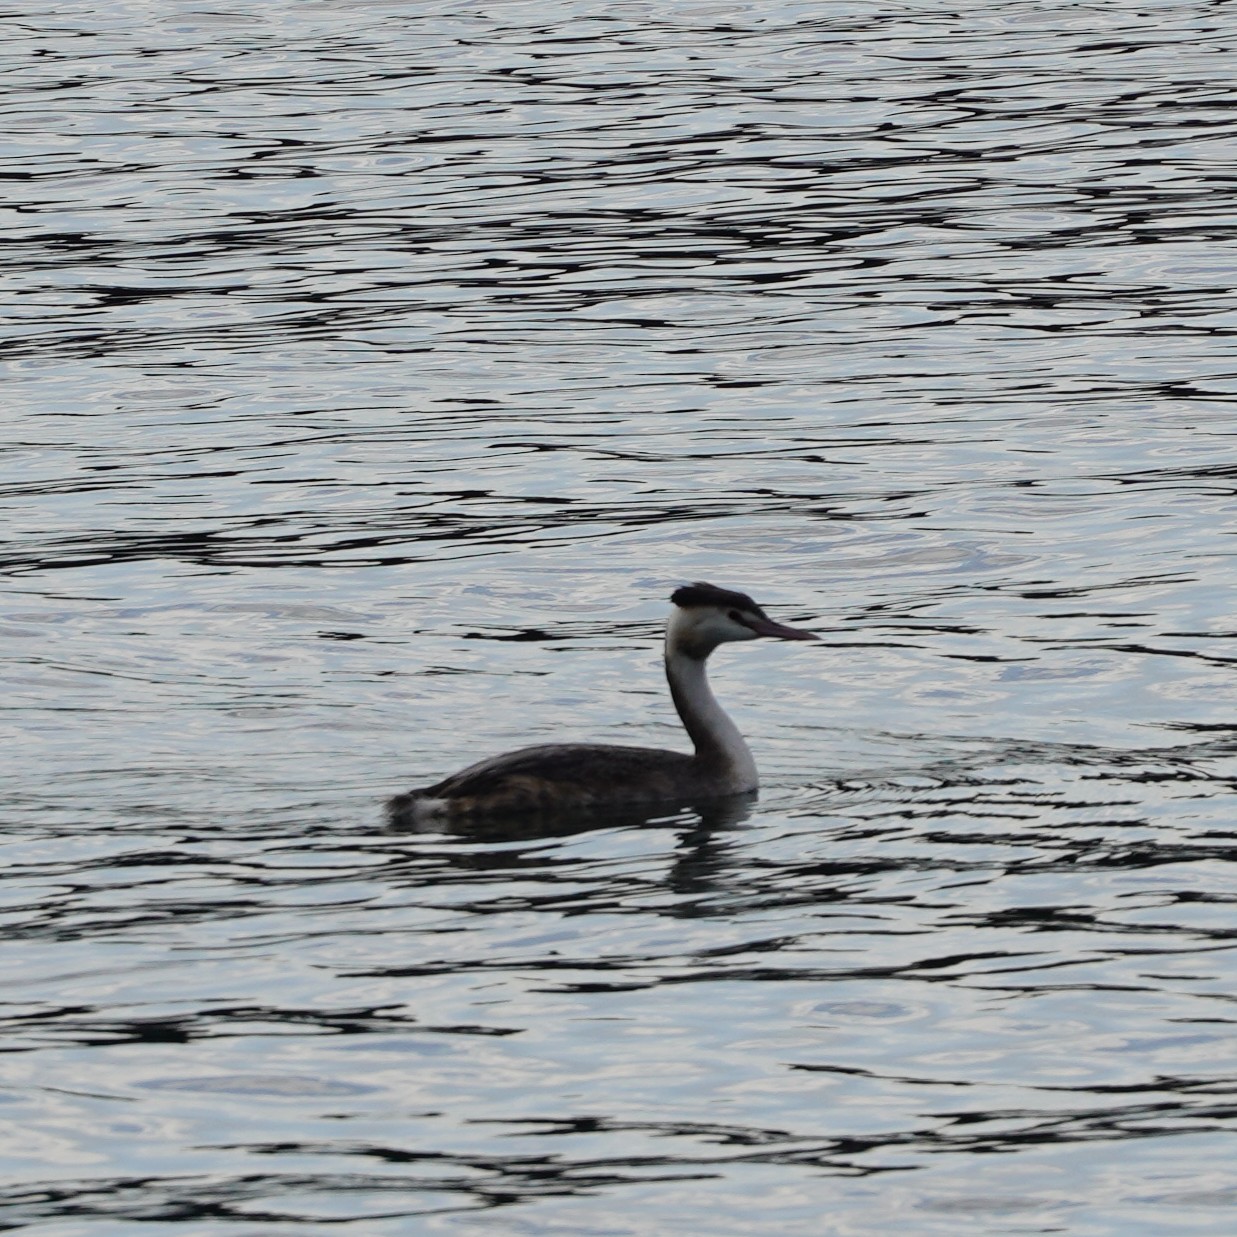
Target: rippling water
372, 372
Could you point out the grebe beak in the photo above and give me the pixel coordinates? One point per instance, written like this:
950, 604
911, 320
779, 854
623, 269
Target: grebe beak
778, 631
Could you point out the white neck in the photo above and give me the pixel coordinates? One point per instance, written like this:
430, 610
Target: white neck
720, 747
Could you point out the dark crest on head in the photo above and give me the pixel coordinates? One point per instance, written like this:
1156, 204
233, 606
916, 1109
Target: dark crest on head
702, 594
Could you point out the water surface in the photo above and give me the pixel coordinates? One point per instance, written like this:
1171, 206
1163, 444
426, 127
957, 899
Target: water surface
372, 374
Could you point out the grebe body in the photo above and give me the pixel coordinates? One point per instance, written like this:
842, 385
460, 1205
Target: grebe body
558, 777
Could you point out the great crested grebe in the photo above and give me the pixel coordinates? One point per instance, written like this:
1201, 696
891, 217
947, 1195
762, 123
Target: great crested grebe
559, 777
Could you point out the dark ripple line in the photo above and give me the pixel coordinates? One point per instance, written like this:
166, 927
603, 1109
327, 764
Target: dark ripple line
275, 541
522, 1178
84, 1026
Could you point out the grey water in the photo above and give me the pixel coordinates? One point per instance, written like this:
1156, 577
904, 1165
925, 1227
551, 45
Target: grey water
372, 372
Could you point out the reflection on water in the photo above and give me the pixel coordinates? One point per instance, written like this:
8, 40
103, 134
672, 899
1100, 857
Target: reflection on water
372, 376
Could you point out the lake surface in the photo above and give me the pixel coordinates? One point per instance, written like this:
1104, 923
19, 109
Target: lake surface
372, 372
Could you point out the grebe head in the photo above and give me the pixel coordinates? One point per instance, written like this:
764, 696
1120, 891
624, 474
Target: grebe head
705, 616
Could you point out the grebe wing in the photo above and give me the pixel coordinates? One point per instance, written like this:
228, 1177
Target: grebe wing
604, 770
